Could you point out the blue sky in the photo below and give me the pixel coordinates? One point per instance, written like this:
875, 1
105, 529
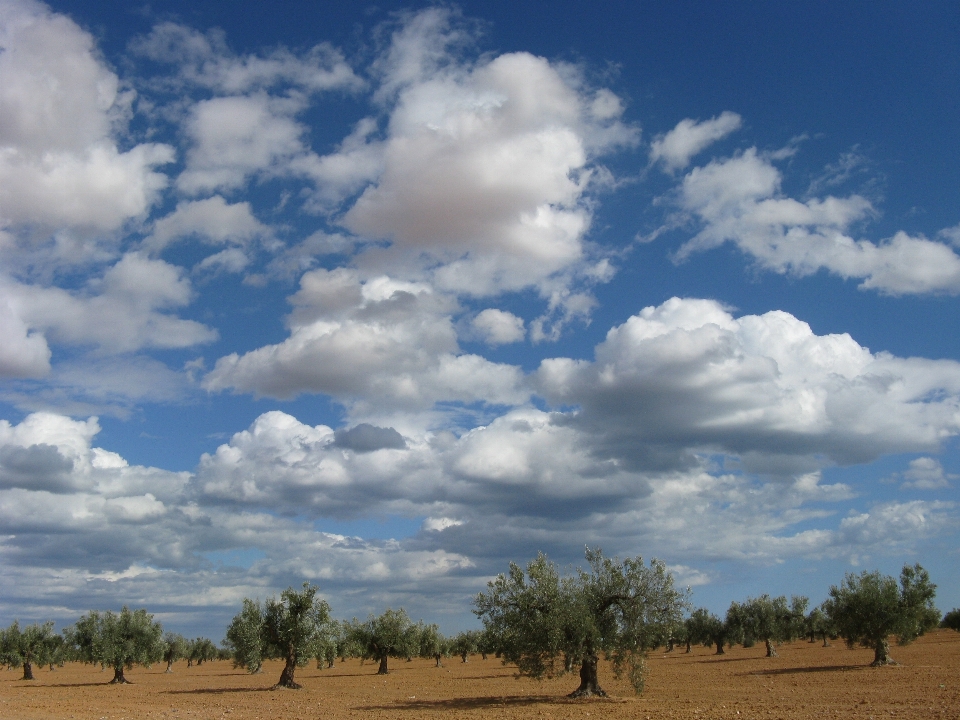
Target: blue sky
384, 297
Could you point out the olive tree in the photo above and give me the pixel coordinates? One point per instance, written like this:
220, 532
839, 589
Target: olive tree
328, 645
769, 619
391, 634
118, 640
33, 645
175, 647
432, 644
288, 628
951, 620
867, 608
705, 628
818, 624
465, 643
548, 625
200, 650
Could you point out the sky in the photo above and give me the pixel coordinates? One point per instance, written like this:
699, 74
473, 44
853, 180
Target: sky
383, 297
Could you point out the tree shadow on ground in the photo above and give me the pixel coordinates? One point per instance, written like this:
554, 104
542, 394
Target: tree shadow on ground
486, 702
799, 670
101, 683
217, 691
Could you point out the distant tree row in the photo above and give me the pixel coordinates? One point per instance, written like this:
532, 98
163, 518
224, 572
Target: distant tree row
297, 627
864, 610
534, 618
113, 640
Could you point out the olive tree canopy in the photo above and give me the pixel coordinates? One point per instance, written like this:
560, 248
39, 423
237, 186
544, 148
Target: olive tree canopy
705, 628
28, 646
432, 644
176, 646
546, 624
867, 608
118, 641
391, 634
768, 619
288, 628
951, 620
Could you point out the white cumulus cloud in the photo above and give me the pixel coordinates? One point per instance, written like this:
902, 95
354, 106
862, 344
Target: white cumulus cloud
499, 327
687, 376
677, 147
738, 200
378, 341
60, 166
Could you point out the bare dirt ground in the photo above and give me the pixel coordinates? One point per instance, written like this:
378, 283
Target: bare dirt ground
806, 681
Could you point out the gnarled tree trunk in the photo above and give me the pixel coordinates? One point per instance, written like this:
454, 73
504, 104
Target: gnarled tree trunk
881, 654
771, 650
27, 671
589, 685
437, 656
383, 666
289, 668
118, 678
719, 644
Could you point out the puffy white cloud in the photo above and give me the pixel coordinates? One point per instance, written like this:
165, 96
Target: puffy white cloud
381, 341
284, 464
499, 327
122, 311
687, 376
24, 353
59, 162
248, 126
50, 453
235, 137
926, 473
212, 220
739, 200
485, 166
893, 526
677, 147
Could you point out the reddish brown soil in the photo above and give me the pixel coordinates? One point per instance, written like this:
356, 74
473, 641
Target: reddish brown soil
806, 681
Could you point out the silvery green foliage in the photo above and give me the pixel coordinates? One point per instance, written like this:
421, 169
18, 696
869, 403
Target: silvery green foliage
201, 649
391, 634
176, 646
25, 647
548, 625
245, 637
769, 619
290, 628
118, 640
818, 624
705, 628
431, 643
465, 644
867, 608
